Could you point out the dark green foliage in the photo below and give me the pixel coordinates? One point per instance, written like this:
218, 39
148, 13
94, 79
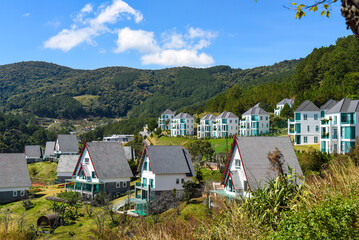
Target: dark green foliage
137, 145
287, 111
313, 161
27, 204
48, 89
158, 131
152, 124
331, 219
17, 130
200, 149
189, 190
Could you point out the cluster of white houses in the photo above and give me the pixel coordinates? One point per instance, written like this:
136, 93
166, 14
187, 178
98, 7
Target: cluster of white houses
254, 122
335, 125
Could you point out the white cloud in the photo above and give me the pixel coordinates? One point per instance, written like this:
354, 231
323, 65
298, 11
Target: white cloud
139, 40
176, 49
183, 57
92, 27
26, 14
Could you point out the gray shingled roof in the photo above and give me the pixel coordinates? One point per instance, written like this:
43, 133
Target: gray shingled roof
14, 171
130, 155
286, 100
182, 115
168, 112
257, 105
109, 160
67, 163
345, 106
254, 152
169, 160
49, 149
226, 115
67, 143
33, 151
328, 105
255, 111
307, 106
209, 117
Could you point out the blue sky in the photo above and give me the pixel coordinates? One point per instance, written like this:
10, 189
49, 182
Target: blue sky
155, 34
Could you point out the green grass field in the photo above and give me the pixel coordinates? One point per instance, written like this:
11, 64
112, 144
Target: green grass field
87, 100
44, 172
219, 145
307, 148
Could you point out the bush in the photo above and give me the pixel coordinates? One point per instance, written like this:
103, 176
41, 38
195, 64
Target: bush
27, 204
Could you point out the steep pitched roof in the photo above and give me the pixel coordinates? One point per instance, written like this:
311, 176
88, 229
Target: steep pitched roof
67, 143
286, 100
182, 115
328, 105
14, 171
169, 160
209, 117
67, 163
109, 160
129, 153
256, 110
49, 149
307, 106
226, 115
168, 112
254, 153
345, 106
33, 151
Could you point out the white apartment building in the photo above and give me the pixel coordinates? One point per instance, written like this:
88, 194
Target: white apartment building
205, 128
182, 124
168, 114
226, 125
340, 127
254, 122
281, 104
305, 127
328, 105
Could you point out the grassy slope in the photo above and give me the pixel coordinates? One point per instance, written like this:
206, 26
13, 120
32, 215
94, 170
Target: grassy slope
46, 172
219, 145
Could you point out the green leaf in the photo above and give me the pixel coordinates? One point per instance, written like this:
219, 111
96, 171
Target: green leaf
326, 6
328, 13
322, 13
294, 3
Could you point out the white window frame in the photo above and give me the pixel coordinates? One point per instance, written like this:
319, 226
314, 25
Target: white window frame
235, 163
22, 193
118, 184
87, 161
14, 193
124, 184
177, 181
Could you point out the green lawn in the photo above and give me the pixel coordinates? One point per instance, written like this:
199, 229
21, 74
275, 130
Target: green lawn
87, 100
219, 145
43, 172
307, 148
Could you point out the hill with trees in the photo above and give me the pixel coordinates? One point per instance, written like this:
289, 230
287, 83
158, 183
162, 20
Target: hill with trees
50, 90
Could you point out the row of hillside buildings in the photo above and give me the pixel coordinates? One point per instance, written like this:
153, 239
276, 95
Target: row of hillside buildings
103, 167
335, 125
254, 122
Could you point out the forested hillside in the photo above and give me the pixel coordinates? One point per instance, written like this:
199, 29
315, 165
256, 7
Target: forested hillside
50, 90
327, 73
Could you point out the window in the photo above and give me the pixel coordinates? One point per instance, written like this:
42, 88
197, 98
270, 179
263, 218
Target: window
230, 121
87, 160
305, 116
177, 181
315, 116
235, 121
315, 139
93, 174
14, 193
237, 163
231, 127
182, 180
308, 128
317, 128
261, 117
144, 182
151, 183
267, 124
118, 185
124, 184
245, 185
305, 139
145, 166
266, 118
22, 193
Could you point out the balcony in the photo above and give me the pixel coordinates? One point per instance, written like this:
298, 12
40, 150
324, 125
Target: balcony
291, 131
325, 136
291, 120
